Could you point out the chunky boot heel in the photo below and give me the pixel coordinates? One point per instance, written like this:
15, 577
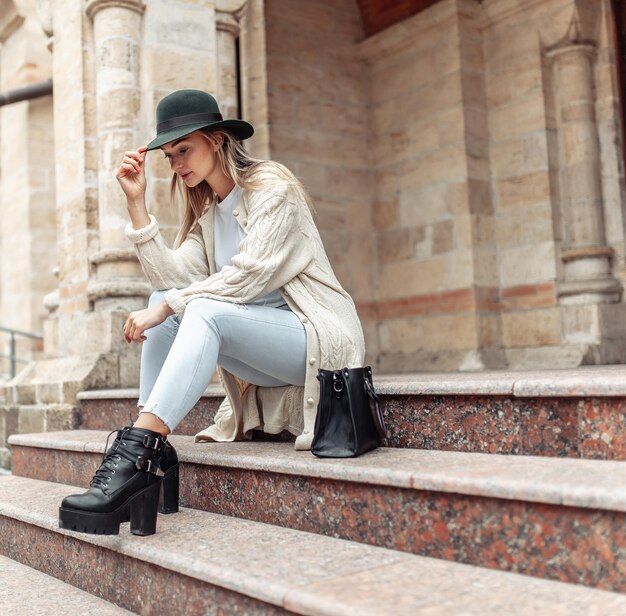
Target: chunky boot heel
168, 502
131, 469
143, 511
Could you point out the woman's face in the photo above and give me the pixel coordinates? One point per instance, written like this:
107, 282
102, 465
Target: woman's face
193, 158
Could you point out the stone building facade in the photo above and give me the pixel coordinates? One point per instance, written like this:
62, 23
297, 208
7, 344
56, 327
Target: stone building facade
465, 158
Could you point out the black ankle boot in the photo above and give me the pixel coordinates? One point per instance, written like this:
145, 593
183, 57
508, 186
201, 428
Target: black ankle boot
126, 486
168, 499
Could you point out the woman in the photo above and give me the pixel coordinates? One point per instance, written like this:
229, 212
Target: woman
248, 290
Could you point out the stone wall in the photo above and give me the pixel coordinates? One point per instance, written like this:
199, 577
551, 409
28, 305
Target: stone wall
432, 209
526, 231
318, 106
483, 164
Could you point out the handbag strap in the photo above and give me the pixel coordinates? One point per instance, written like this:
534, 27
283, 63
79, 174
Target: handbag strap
377, 415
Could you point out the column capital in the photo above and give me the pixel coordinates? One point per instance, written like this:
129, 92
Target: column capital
113, 255
104, 289
576, 24
585, 49
228, 14
93, 7
230, 6
226, 21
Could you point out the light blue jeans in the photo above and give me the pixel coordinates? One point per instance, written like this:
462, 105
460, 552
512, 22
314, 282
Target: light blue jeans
262, 345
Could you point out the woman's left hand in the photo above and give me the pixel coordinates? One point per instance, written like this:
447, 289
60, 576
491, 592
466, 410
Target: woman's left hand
141, 320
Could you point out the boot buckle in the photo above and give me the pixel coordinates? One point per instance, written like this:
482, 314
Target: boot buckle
150, 442
149, 466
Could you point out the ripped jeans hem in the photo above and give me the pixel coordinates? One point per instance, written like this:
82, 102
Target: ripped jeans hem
142, 409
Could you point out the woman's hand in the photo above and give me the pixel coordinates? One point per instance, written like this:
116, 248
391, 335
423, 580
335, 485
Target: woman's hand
131, 175
141, 320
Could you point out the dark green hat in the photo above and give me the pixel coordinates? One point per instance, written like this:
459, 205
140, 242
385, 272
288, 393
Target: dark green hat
185, 111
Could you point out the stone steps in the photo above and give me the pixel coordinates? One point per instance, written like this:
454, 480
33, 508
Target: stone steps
25, 591
575, 413
203, 562
557, 518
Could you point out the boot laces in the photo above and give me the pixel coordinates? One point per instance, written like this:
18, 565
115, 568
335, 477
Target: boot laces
109, 462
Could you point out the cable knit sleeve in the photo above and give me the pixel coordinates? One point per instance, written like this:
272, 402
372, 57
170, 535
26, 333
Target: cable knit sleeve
164, 267
273, 252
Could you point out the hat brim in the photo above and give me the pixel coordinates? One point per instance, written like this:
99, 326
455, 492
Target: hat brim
239, 128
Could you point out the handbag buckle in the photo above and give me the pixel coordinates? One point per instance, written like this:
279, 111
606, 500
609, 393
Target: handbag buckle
337, 384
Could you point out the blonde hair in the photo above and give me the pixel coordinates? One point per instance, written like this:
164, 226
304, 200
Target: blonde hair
246, 171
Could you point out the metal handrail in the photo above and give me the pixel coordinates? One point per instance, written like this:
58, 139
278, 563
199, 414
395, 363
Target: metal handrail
20, 332
11, 356
27, 93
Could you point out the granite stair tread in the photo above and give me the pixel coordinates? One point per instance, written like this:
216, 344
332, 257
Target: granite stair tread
24, 591
582, 381
577, 413
594, 484
300, 572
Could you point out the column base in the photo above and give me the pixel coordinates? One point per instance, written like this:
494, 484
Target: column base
567, 356
465, 360
42, 397
27, 418
593, 324
90, 354
592, 291
591, 334
59, 380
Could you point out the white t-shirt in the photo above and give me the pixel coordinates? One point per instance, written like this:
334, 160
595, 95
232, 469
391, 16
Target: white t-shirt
228, 235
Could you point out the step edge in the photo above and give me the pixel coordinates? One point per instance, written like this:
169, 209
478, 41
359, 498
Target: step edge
588, 381
132, 393
591, 496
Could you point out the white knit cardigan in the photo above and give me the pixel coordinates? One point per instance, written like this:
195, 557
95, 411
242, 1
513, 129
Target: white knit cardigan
282, 250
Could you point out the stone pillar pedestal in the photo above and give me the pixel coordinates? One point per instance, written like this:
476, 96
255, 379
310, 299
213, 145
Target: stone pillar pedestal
119, 283
586, 257
227, 17
593, 320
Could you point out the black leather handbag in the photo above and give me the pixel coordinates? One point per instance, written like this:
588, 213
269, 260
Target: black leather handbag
349, 421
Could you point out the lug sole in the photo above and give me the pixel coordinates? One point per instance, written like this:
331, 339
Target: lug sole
91, 523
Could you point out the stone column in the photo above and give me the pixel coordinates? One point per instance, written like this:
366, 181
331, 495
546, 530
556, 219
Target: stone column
593, 319
227, 16
586, 256
119, 283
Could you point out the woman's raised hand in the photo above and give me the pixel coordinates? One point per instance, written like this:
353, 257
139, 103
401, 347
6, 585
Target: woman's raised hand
141, 320
131, 175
